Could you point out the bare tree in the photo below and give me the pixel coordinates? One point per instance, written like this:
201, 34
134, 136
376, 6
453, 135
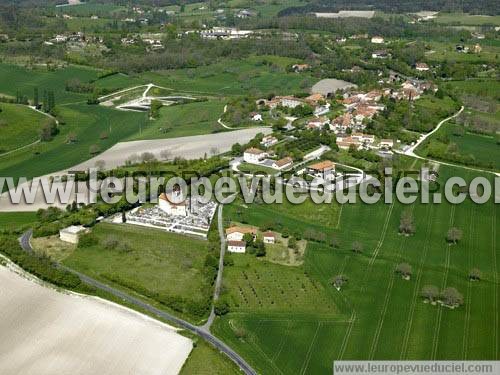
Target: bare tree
100, 164
452, 297
166, 154
404, 269
214, 151
357, 247
147, 157
475, 274
454, 235
339, 281
132, 159
430, 292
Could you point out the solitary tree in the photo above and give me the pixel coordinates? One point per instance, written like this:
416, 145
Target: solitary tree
248, 239
475, 274
404, 269
454, 235
35, 97
452, 297
357, 247
94, 149
339, 281
71, 138
430, 292
406, 225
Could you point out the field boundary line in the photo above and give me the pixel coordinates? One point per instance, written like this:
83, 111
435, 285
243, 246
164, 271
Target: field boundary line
309, 352
387, 298
435, 340
20, 148
259, 350
347, 335
409, 322
379, 245
495, 278
468, 298
282, 342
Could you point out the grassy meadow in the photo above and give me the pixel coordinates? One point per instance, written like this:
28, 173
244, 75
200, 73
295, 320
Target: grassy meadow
19, 126
163, 263
87, 123
377, 315
184, 120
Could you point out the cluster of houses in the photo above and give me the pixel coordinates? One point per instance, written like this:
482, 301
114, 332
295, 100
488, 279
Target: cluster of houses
259, 157
235, 235
226, 33
317, 101
75, 37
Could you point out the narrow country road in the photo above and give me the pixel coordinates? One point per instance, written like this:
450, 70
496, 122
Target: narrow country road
24, 240
411, 150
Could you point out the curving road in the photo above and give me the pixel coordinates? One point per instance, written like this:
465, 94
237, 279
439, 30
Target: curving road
24, 240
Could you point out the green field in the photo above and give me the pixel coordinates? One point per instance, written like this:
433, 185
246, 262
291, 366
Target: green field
235, 77
206, 360
87, 123
162, 263
466, 19
378, 315
16, 220
184, 120
15, 78
19, 126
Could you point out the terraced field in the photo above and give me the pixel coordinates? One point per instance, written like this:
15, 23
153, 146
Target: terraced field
379, 315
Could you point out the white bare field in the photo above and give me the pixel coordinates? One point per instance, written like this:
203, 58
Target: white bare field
192, 147
47, 332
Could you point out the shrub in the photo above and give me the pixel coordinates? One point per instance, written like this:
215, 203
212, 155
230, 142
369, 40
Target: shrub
87, 240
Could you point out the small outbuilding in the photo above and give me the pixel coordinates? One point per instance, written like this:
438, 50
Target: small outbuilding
72, 234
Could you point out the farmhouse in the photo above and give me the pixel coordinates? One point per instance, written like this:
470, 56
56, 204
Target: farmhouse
290, 102
345, 143
254, 116
268, 141
324, 169
236, 246
386, 143
269, 237
300, 67
380, 54
363, 138
422, 67
283, 163
254, 155
72, 234
377, 39
236, 233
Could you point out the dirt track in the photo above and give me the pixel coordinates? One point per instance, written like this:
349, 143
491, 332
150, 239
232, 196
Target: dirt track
47, 332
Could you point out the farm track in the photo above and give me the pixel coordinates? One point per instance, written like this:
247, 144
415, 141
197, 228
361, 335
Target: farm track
435, 340
387, 298
409, 322
378, 246
495, 281
282, 342
468, 297
310, 351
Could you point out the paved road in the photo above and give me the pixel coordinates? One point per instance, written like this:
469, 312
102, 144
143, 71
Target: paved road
200, 331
